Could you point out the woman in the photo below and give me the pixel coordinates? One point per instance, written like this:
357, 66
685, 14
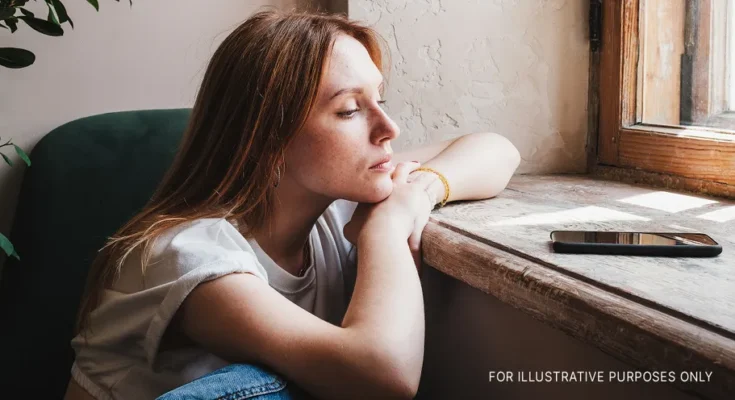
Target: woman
241, 275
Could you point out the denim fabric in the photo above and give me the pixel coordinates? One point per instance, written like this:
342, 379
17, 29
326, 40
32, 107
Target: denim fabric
237, 382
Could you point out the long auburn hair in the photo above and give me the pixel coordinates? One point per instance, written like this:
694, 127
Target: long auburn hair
256, 94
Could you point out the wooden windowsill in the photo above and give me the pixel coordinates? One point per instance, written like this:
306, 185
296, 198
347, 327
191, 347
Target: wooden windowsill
664, 181
659, 314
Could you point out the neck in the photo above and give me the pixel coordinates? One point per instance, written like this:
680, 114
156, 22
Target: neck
286, 232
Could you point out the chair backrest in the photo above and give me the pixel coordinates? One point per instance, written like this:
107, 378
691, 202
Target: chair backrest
87, 178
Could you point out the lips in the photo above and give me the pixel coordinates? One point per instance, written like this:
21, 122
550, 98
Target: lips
382, 161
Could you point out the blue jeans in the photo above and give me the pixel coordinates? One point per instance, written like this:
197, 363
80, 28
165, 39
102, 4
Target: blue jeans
238, 382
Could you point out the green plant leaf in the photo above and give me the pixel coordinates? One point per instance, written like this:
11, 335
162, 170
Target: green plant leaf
12, 23
26, 12
7, 160
95, 4
52, 15
6, 12
43, 26
11, 57
3, 26
8, 247
61, 11
22, 154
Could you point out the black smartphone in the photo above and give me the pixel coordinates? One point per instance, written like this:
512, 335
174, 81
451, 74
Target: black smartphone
677, 244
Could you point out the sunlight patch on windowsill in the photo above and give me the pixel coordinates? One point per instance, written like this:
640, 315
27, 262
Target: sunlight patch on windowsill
669, 202
721, 215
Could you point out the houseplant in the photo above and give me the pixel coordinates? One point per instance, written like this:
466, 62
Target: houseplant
4, 241
12, 13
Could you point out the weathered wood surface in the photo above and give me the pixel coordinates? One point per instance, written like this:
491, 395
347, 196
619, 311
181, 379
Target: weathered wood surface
678, 155
665, 181
655, 313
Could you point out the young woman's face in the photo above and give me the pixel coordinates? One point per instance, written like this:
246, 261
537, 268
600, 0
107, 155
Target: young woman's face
347, 131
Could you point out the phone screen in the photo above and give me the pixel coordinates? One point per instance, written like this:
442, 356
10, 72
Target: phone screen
639, 238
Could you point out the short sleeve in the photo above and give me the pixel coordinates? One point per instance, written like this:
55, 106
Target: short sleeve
202, 251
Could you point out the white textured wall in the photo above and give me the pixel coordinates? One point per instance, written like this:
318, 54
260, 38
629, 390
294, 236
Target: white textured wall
515, 67
152, 55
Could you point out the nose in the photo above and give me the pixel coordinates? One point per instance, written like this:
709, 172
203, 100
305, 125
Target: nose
383, 127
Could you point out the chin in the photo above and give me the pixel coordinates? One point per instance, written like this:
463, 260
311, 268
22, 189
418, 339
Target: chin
381, 191
374, 193
369, 191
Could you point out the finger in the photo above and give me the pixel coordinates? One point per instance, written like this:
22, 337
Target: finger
400, 174
414, 243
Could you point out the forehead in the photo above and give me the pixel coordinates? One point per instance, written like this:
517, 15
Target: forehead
349, 64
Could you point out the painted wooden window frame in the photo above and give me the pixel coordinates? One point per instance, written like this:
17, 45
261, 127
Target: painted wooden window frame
700, 157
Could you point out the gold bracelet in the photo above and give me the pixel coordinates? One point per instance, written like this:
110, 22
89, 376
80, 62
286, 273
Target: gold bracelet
444, 181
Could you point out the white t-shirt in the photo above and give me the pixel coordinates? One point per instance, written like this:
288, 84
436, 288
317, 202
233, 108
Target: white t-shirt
121, 359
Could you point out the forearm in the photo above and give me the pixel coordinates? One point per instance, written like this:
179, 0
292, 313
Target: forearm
387, 309
476, 166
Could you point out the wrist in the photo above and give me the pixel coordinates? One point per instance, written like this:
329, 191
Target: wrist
377, 227
435, 189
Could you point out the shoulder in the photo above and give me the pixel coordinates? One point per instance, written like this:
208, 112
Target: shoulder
204, 236
200, 245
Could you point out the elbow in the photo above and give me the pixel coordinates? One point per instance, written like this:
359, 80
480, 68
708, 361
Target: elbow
401, 374
510, 156
407, 385
515, 156
410, 390
403, 393
384, 366
505, 153
505, 162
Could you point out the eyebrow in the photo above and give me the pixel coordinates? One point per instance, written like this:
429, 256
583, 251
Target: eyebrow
358, 90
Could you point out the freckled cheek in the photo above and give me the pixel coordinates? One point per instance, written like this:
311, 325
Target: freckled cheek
336, 149
331, 151
318, 160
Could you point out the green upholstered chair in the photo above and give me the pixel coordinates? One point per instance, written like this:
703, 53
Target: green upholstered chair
87, 178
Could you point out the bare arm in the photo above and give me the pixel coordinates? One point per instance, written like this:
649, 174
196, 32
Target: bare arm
478, 165
377, 352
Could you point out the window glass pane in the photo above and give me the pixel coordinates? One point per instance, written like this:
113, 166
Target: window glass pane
687, 63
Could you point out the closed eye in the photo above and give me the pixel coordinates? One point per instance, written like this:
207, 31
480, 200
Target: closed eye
348, 113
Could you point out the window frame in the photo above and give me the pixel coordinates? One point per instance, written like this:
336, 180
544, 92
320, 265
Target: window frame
730, 78
693, 158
